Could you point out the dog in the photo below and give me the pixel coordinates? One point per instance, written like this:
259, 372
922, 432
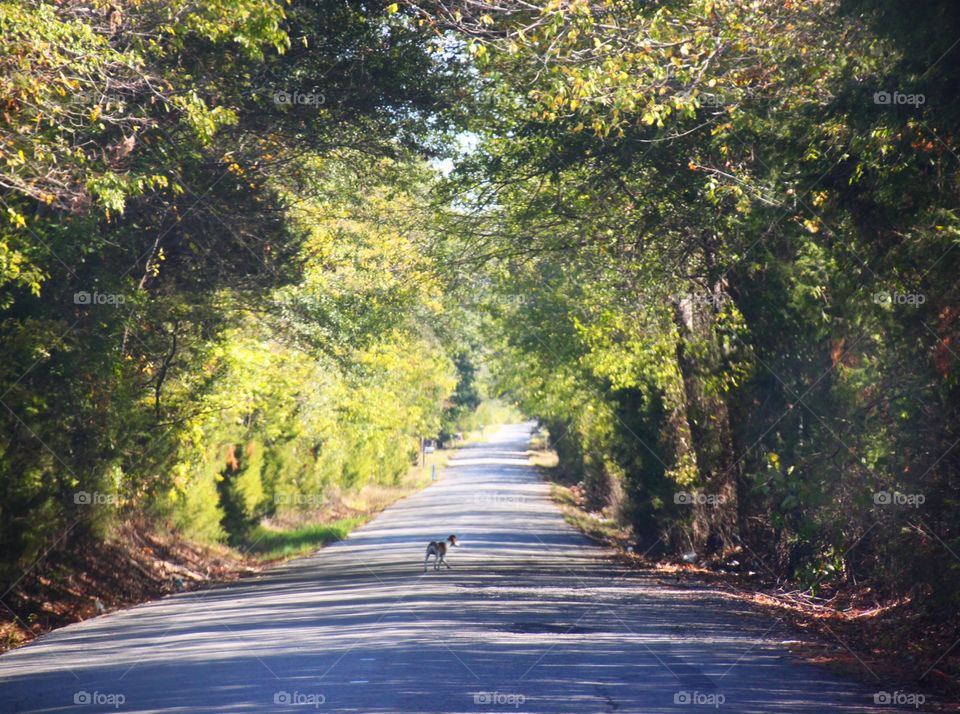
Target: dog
438, 549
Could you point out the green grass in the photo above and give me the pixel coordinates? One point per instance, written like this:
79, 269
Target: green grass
270, 544
602, 529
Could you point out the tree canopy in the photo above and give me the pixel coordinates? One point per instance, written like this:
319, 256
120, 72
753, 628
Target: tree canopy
709, 244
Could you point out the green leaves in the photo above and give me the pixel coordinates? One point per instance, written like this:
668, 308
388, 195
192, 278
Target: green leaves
701, 217
190, 271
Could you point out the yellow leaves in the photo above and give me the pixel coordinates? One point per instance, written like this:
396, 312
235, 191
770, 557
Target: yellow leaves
811, 225
18, 160
393, 8
477, 49
486, 20
95, 113
15, 218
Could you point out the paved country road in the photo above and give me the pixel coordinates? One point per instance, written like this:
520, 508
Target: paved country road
531, 618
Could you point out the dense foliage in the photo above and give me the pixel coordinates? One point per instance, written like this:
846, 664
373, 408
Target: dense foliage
720, 239
215, 295
709, 243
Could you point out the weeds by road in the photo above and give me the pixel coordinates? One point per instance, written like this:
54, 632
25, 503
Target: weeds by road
81, 577
852, 632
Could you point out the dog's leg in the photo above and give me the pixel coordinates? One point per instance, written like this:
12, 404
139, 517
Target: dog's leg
425, 559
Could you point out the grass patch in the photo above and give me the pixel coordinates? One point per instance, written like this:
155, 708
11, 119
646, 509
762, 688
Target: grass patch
593, 524
270, 544
548, 462
571, 499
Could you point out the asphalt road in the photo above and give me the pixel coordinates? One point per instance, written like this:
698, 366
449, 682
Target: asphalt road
530, 618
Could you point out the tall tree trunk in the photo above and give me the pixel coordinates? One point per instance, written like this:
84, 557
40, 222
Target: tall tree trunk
715, 506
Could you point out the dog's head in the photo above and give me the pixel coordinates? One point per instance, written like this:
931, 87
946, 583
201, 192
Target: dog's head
452, 540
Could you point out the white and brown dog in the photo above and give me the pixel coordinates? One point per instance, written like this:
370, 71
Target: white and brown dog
438, 549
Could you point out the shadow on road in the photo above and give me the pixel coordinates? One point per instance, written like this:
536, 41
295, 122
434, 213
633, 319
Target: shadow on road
530, 618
